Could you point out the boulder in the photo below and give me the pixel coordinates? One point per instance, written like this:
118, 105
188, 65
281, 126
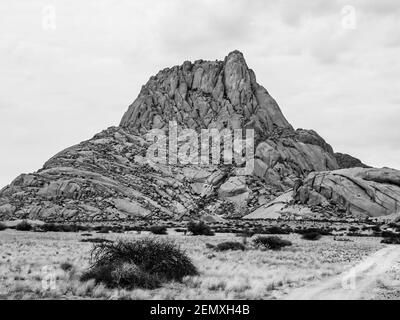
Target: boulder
360, 191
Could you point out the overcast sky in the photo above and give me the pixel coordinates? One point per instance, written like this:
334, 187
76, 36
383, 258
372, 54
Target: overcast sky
69, 69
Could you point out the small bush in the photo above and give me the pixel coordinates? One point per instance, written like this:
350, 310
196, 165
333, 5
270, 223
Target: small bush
230, 245
51, 227
210, 246
158, 229
199, 229
389, 234
97, 240
2, 226
246, 233
273, 243
103, 229
23, 226
391, 240
324, 232
66, 266
277, 230
313, 235
144, 263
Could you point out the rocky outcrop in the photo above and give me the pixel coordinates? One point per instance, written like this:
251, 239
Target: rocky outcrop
205, 94
360, 192
347, 161
109, 177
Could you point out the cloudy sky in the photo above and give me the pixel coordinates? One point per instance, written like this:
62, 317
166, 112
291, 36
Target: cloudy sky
69, 69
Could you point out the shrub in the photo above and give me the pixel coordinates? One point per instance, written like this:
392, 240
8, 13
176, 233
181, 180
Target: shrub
97, 240
389, 234
144, 263
103, 229
66, 266
246, 233
2, 226
230, 245
376, 228
277, 230
210, 246
51, 227
273, 243
312, 235
158, 229
391, 240
199, 229
23, 226
324, 232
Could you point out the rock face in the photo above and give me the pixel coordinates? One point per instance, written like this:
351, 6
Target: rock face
359, 191
109, 178
347, 161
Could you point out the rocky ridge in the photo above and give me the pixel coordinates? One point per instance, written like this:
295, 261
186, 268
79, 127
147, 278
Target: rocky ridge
108, 177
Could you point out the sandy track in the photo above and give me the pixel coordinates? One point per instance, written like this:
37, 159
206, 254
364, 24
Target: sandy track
353, 284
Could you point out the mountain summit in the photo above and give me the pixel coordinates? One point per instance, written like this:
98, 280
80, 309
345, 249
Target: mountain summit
108, 178
205, 94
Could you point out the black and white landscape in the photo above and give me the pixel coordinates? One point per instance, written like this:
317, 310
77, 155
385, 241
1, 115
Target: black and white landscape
205, 186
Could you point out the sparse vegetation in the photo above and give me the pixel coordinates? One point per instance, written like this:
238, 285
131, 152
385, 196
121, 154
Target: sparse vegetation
66, 266
23, 226
96, 240
311, 235
391, 240
50, 227
321, 231
55, 227
230, 245
200, 228
277, 230
104, 230
144, 263
271, 242
232, 274
158, 229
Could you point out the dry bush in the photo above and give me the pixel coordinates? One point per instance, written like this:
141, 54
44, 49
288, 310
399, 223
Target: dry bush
96, 240
312, 235
230, 245
273, 243
144, 263
23, 226
158, 229
199, 228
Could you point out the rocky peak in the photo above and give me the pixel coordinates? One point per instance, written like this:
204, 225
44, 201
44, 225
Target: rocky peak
205, 94
108, 177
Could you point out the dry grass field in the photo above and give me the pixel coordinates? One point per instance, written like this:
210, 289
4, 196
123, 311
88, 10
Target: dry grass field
48, 265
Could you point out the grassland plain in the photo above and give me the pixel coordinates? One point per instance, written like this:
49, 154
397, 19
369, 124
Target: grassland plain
37, 265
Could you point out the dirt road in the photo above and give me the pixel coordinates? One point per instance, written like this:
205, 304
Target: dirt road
354, 283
